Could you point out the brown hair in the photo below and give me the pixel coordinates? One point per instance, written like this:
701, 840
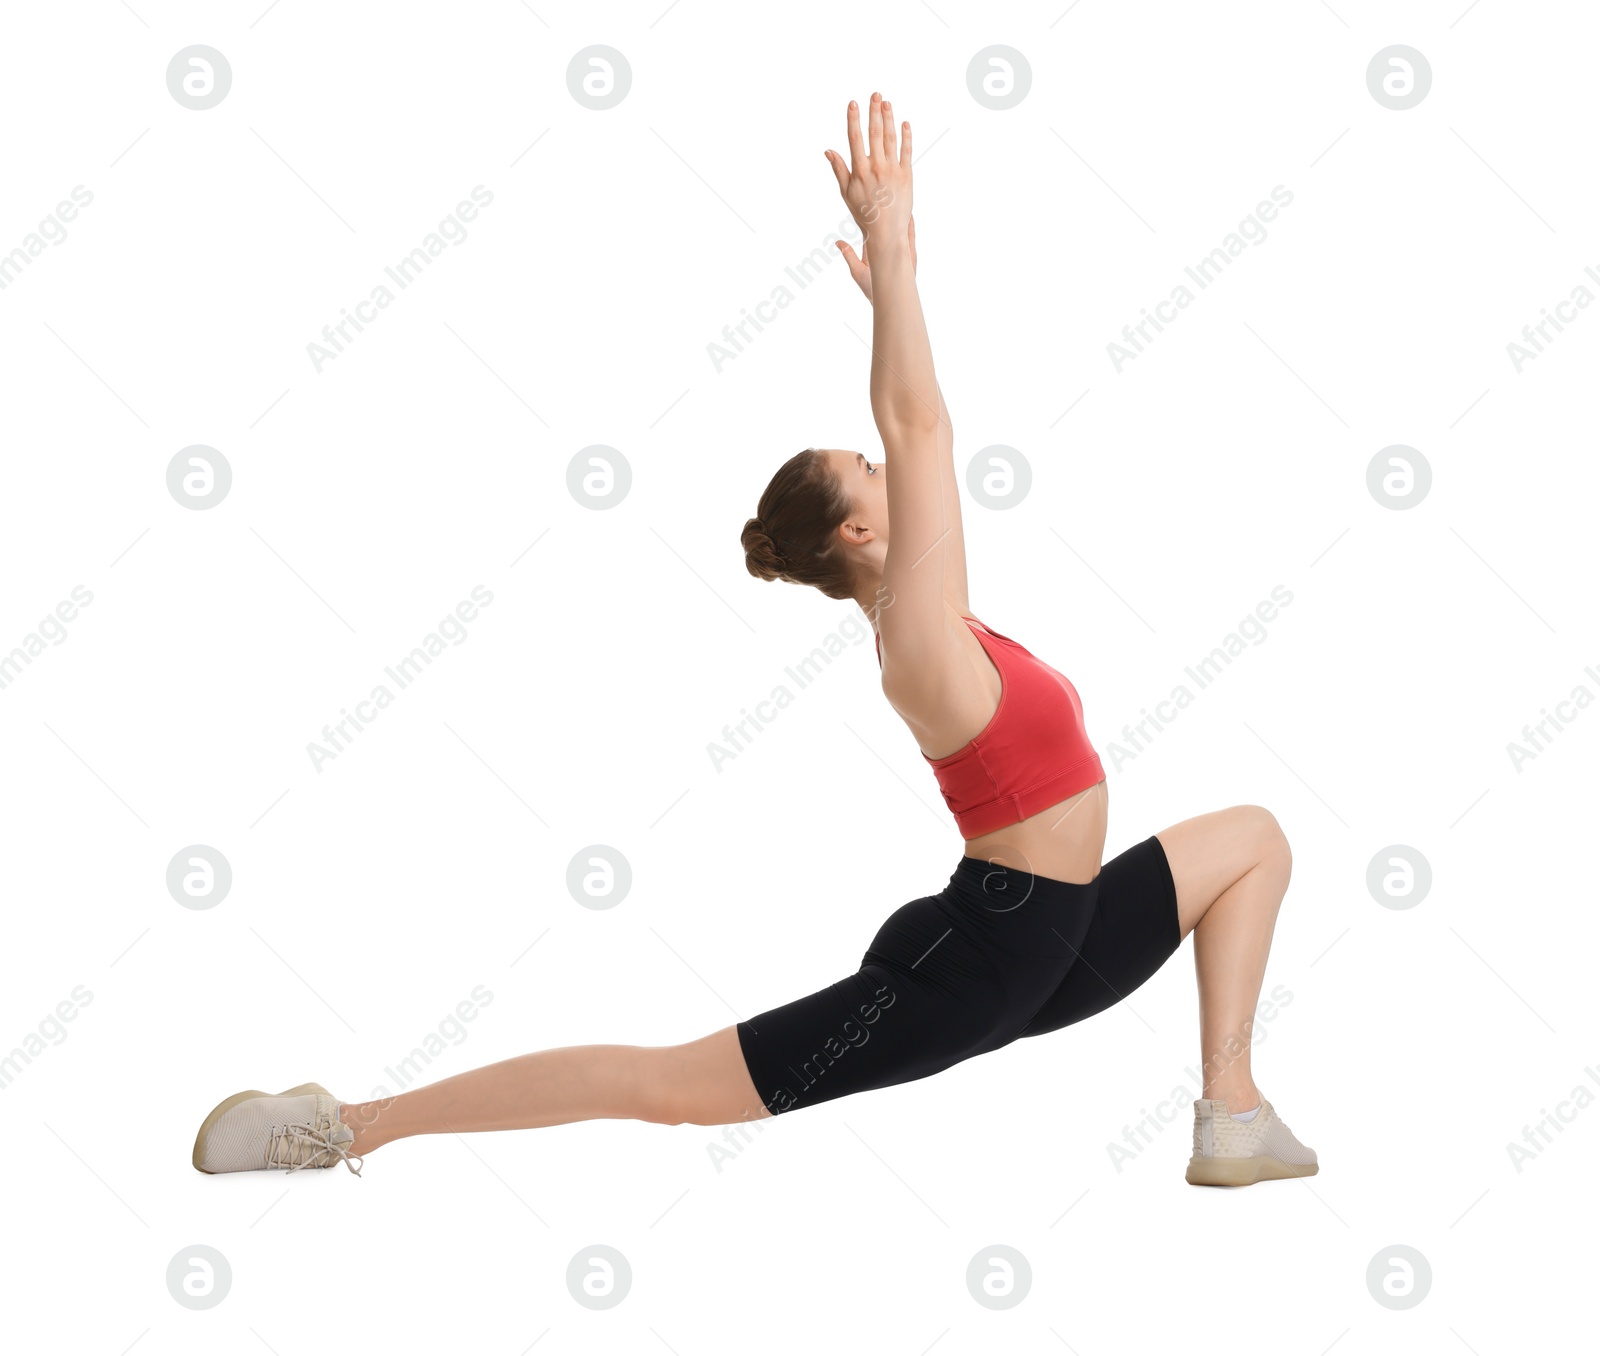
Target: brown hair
794, 535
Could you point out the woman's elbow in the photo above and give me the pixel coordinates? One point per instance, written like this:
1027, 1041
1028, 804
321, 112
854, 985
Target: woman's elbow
906, 425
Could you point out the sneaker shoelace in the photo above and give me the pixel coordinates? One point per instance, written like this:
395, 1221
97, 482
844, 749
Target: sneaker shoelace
299, 1146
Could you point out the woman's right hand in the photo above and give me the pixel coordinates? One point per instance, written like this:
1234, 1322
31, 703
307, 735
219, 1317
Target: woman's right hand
877, 186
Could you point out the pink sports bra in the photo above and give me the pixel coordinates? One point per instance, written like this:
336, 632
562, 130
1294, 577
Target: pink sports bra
1033, 753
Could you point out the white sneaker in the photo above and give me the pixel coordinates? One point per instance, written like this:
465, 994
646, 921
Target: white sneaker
1237, 1153
299, 1128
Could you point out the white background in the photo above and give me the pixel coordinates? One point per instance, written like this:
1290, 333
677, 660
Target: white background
368, 499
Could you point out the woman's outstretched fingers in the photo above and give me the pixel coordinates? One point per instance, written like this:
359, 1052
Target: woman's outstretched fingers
836, 164
878, 177
859, 271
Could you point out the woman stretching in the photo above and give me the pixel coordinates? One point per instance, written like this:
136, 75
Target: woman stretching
1032, 932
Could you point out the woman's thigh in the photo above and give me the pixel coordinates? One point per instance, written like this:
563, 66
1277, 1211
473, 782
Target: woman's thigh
1151, 897
1135, 930
703, 1082
926, 996
1210, 852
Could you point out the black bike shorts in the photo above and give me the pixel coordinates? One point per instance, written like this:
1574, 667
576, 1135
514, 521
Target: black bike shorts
996, 955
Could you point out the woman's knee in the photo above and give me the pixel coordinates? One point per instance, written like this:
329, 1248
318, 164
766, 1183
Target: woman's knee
667, 1109
704, 1082
659, 1093
1272, 844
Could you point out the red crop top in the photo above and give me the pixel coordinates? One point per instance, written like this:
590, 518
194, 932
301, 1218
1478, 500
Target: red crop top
1033, 753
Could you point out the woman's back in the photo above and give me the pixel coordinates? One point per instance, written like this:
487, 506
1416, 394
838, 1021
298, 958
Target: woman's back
1027, 788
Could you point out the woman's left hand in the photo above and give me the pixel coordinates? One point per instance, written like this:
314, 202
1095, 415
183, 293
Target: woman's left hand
861, 270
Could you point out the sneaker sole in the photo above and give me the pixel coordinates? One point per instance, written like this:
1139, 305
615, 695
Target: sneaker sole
1243, 1171
227, 1105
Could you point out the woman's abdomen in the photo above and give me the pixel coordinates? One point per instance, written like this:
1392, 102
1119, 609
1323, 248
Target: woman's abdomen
1065, 842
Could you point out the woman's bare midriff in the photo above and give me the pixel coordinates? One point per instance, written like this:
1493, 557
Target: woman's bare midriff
1065, 842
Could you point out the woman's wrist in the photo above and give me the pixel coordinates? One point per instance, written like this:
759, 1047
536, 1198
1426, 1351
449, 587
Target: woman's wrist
888, 247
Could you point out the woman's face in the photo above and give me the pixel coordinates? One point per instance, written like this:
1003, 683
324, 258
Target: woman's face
866, 482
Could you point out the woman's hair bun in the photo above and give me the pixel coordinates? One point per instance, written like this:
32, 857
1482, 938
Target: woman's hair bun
761, 555
795, 533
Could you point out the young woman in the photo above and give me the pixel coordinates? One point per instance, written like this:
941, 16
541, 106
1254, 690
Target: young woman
1032, 932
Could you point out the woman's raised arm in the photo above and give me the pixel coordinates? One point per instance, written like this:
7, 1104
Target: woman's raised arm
906, 407
955, 547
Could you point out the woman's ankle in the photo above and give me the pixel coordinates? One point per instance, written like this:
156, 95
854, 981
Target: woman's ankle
1238, 1096
365, 1120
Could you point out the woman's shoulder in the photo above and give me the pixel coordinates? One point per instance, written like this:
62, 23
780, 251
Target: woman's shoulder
948, 690
951, 614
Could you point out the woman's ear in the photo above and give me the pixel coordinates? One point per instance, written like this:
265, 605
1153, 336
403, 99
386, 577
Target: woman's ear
854, 533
